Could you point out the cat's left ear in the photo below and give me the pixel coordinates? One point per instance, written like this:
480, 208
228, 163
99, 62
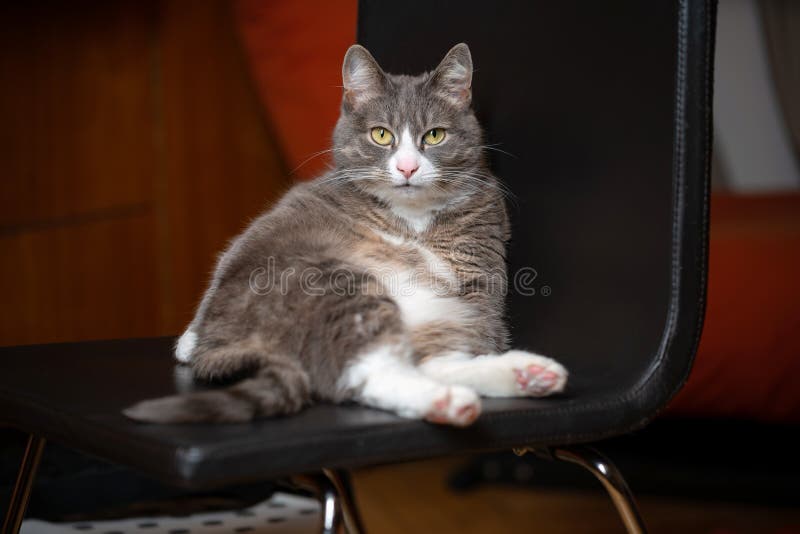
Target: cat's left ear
452, 79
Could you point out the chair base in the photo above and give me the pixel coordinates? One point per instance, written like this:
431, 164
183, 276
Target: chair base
607, 473
335, 492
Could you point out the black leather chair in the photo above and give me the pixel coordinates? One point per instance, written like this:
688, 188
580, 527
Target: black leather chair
606, 109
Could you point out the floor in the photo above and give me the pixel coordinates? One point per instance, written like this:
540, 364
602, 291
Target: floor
412, 497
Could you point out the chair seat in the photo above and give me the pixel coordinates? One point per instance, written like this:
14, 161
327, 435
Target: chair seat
73, 393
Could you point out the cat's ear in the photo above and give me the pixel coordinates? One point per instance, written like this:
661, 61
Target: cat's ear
362, 77
452, 79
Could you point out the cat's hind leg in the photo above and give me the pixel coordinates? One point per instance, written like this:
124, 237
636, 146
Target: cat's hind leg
516, 373
384, 377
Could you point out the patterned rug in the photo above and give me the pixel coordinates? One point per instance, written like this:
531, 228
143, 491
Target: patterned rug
284, 513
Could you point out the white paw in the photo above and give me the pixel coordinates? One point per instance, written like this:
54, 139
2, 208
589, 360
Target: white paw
185, 346
535, 376
455, 405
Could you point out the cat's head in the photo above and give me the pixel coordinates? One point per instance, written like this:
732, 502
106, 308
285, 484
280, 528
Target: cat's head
410, 140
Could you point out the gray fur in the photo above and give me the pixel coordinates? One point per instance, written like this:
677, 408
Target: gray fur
292, 346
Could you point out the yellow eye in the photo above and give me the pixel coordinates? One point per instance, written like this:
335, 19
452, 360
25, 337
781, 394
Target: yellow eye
382, 136
434, 136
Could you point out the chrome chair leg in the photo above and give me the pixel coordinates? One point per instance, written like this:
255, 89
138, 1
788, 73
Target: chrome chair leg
24, 484
331, 505
611, 478
326, 487
341, 482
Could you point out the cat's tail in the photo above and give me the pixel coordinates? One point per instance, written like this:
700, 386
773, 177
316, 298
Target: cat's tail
273, 390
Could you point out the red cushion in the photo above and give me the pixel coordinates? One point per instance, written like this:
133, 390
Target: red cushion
748, 363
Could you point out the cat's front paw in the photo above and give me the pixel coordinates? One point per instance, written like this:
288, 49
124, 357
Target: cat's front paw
536, 376
457, 405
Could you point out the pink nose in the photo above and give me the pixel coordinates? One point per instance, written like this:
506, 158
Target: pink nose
407, 167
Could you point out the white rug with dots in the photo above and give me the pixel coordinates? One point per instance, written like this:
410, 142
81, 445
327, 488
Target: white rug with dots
282, 513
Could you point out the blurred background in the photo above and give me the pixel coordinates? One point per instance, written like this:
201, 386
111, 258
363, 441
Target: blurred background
137, 137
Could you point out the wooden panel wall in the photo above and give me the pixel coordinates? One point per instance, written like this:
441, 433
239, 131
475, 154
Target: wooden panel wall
132, 147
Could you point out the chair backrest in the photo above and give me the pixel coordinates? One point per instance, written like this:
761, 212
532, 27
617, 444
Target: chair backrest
605, 111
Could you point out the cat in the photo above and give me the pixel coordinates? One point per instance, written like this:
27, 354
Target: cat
381, 282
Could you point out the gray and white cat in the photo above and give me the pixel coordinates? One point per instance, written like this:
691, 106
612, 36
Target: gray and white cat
381, 282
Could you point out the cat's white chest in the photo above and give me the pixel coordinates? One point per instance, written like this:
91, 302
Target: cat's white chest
425, 293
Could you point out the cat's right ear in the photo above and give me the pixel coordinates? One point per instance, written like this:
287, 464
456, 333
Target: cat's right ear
362, 77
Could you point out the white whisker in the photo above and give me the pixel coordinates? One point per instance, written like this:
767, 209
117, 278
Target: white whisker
315, 155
